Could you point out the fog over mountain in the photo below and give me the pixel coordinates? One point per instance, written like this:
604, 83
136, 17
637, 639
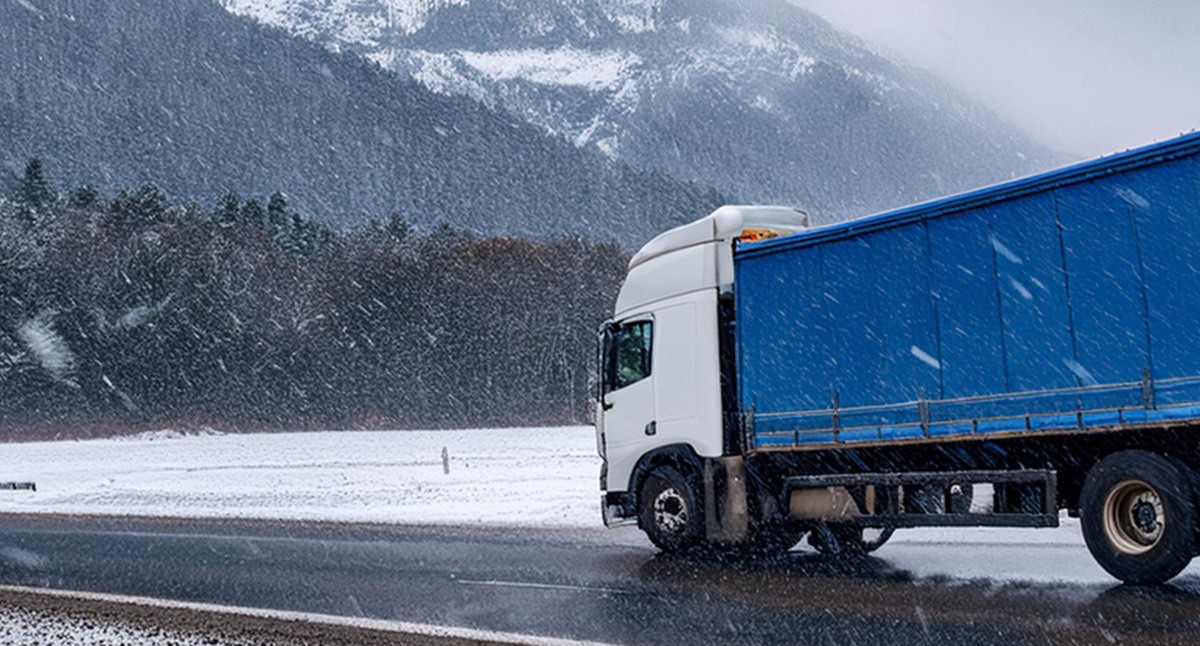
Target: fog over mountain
1086, 78
761, 99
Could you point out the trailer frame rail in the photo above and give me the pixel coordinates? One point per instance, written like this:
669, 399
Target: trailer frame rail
1027, 498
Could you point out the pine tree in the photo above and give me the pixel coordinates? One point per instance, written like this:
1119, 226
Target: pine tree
84, 198
228, 209
277, 217
149, 205
293, 238
398, 228
136, 211
253, 214
36, 191
447, 236
306, 237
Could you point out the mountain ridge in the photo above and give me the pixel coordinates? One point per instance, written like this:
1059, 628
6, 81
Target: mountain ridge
199, 101
760, 98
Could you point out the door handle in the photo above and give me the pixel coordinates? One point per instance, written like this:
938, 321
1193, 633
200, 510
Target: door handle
651, 428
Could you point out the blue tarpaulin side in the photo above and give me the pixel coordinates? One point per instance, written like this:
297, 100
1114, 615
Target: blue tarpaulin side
1069, 300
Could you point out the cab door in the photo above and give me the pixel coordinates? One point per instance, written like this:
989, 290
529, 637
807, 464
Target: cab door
627, 401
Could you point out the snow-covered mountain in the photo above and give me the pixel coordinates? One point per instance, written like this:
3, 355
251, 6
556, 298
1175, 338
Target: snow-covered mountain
755, 97
200, 102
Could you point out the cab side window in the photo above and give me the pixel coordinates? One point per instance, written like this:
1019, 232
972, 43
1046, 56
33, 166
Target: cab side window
630, 358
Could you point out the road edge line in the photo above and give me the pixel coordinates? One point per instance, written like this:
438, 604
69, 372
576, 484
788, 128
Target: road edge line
382, 625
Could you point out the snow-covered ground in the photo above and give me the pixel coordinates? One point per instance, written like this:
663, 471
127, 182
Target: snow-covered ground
515, 476
19, 626
40, 616
537, 477
525, 476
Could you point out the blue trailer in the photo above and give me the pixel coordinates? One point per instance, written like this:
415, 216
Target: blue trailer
1065, 303
991, 358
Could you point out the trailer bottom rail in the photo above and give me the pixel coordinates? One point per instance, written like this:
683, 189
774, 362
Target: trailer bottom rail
1026, 498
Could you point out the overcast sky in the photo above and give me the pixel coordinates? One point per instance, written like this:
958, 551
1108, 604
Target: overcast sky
1085, 77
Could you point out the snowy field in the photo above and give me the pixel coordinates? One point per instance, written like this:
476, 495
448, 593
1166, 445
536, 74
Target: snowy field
535, 477
527, 476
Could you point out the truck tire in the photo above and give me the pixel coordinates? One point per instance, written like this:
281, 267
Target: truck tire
1194, 483
1139, 517
932, 500
771, 540
670, 511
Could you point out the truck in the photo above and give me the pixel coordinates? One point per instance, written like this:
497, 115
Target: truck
993, 358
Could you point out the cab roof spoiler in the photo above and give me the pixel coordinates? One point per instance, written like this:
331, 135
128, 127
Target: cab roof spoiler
725, 224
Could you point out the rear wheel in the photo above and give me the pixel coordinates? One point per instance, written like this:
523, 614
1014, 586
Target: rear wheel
769, 540
1138, 516
669, 510
849, 540
852, 539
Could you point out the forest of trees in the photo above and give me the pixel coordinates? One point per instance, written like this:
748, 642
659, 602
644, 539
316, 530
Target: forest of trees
133, 312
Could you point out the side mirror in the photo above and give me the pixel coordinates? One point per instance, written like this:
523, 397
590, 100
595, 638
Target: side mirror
603, 353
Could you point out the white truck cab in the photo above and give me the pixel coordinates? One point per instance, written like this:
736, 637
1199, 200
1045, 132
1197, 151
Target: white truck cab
660, 399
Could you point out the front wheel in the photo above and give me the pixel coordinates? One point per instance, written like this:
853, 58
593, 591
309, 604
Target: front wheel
1138, 516
669, 510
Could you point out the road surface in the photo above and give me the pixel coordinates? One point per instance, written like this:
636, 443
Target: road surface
605, 586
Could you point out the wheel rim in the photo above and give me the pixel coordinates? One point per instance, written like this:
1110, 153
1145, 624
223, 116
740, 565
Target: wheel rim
670, 511
1134, 517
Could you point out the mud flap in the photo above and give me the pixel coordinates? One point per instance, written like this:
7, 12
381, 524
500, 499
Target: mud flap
726, 512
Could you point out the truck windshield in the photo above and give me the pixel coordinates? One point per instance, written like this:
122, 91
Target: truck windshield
628, 356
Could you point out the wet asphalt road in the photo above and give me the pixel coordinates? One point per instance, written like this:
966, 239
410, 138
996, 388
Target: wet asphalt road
597, 585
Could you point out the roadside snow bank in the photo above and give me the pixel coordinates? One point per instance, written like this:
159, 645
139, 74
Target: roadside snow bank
19, 626
526, 476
